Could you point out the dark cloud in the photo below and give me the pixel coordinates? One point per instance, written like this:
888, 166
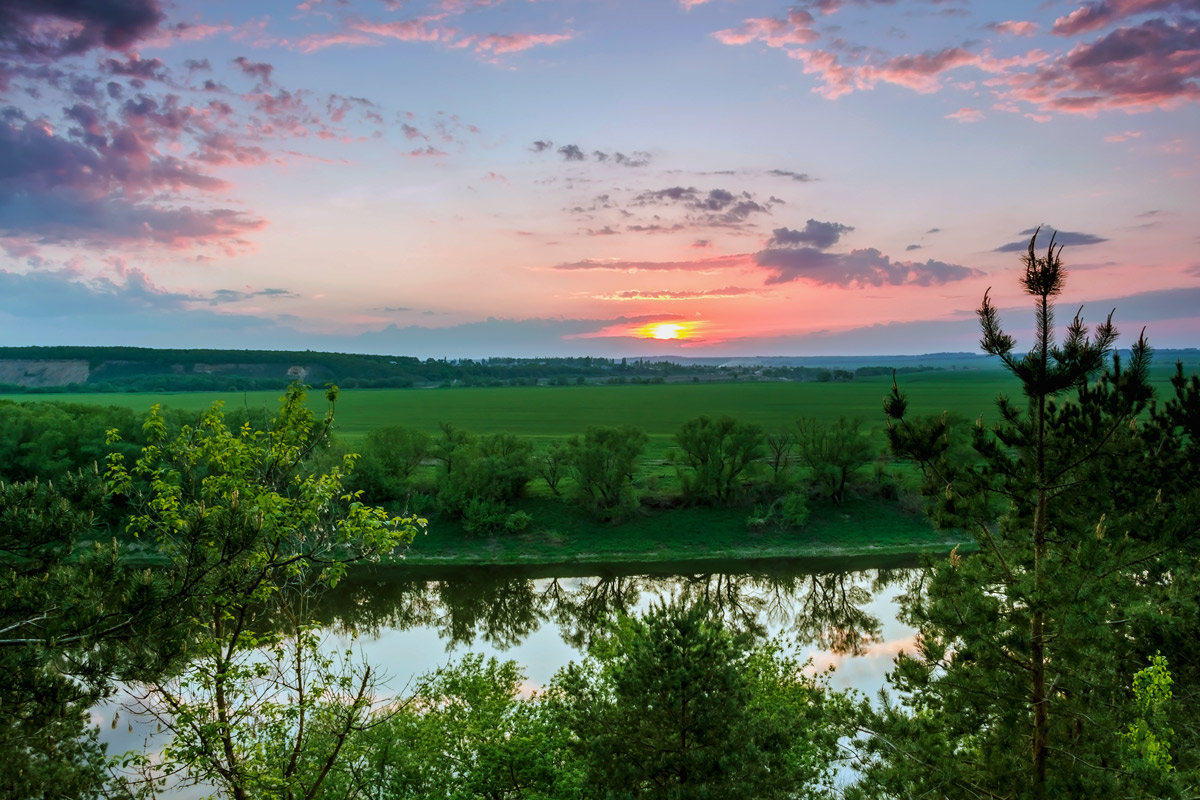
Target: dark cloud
821, 235
717, 207
803, 177
912, 247
637, 158
934, 230
47, 29
1070, 238
258, 70
572, 152
867, 267
152, 69
223, 296
88, 189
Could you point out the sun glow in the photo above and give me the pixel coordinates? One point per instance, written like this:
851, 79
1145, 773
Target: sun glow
665, 330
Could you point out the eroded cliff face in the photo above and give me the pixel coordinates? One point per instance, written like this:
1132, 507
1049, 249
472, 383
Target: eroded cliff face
27, 372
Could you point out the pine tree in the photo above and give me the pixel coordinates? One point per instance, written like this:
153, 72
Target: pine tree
1027, 647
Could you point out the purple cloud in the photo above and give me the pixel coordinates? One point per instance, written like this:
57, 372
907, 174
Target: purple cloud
821, 235
1060, 237
867, 267
48, 29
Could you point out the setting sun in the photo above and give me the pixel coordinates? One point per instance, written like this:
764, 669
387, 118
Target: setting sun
665, 330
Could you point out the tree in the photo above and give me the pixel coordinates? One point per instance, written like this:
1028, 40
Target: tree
73, 621
718, 453
779, 445
602, 464
387, 459
834, 452
251, 537
676, 705
467, 733
483, 475
1027, 648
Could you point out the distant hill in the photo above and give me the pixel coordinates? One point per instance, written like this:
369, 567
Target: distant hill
141, 369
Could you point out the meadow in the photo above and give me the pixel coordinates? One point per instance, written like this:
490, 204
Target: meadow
543, 412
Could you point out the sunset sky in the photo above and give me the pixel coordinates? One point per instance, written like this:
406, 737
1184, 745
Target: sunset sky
591, 177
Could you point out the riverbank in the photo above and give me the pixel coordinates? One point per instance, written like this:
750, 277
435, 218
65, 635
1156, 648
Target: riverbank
861, 527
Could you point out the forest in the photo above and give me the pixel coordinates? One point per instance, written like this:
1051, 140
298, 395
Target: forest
23, 370
186, 554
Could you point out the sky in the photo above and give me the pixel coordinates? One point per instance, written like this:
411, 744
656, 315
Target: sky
475, 178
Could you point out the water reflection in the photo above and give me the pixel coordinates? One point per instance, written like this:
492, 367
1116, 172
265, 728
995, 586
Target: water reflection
504, 607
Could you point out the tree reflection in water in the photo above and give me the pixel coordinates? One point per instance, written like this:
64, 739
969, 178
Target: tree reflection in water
504, 606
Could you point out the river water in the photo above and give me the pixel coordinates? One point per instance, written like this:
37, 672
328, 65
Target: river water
407, 621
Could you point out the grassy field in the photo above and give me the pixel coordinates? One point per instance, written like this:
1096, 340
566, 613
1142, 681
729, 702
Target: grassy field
660, 409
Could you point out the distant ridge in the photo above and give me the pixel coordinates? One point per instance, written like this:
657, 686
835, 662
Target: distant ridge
143, 369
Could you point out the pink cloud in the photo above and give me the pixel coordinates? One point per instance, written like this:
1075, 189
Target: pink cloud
965, 114
1153, 65
1014, 28
1122, 137
713, 263
795, 29
408, 30
504, 43
1094, 16
320, 41
921, 72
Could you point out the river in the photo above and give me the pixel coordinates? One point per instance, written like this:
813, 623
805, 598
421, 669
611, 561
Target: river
406, 621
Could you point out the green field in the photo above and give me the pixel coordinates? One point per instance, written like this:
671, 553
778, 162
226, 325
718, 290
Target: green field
546, 411
660, 409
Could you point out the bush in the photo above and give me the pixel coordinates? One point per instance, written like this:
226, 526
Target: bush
794, 510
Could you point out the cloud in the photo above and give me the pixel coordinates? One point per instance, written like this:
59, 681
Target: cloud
433, 27
104, 185
966, 114
571, 152
802, 177
260, 71
574, 152
41, 31
794, 29
503, 44
713, 263
1094, 16
1013, 28
681, 294
1071, 238
858, 268
717, 207
820, 235
1140, 68
225, 296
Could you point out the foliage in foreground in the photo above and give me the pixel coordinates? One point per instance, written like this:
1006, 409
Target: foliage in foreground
672, 704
